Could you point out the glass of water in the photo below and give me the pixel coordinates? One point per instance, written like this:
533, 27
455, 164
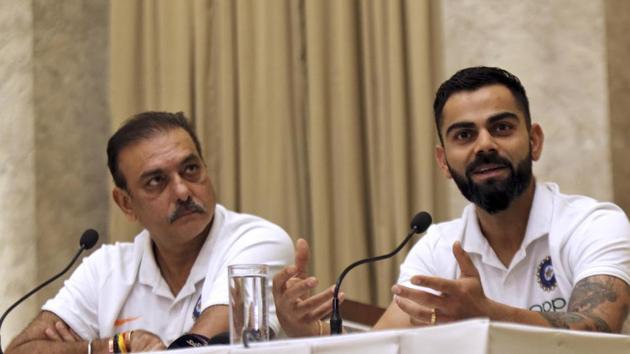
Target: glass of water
249, 310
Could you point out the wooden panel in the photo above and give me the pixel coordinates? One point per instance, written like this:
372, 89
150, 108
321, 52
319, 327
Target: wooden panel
359, 312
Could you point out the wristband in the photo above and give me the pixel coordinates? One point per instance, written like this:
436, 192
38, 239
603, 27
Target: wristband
127, 340
190, 340
122, 347
117, 344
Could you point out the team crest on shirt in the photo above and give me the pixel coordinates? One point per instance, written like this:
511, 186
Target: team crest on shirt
545, 275
197, 309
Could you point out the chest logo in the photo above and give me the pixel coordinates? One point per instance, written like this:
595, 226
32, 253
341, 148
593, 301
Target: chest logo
545, 275
197, 310
121, 321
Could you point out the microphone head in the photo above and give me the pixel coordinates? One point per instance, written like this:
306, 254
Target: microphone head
421, 222
88, 239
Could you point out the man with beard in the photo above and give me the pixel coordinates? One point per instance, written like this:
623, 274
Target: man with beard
140, 296
521, 252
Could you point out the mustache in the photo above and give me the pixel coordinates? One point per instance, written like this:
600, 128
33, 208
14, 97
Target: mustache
487, 158
184, 208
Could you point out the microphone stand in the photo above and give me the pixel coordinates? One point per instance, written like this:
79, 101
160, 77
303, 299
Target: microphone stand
336, 322
83, 248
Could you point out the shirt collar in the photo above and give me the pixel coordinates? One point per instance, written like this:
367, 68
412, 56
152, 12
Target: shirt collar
538, 224
150, 272
473, 240
200, 267
540, 215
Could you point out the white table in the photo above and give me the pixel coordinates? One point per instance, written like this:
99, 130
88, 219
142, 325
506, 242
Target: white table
479, 336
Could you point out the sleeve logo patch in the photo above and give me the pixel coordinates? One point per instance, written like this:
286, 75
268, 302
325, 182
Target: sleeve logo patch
197, 310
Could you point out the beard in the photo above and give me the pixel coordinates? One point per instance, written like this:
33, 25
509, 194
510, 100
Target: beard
494, 195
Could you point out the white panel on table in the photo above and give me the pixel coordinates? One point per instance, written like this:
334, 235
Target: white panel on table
362, 343
520, 339
466, 337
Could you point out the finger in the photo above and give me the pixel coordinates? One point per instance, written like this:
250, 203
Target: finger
325, 308
322, 299
280, 279
418, 314
302, 255
439, 318
418, 322
64, 332
301, 289
291, 282
52, 334
434, 285
418, 296
77, 338
465, 263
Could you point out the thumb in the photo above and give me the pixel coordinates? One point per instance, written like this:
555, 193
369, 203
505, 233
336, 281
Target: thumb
465, 263
302, 255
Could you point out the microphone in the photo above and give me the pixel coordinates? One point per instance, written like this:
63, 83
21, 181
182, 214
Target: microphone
419, 224
87, 241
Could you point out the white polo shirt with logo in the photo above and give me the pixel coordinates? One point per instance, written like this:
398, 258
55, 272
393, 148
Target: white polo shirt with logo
568, 238
119, 287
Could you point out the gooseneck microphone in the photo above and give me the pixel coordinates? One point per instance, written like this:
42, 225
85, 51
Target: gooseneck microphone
87, 241
419, 224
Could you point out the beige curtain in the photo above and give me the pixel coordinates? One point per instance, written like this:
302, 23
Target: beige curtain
315, 114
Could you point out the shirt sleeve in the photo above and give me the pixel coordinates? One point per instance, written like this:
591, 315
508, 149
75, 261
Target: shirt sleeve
76, 302
419, 261
601, 246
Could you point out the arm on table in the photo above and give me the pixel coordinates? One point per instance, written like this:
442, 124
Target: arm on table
213, 320
48, 333
598, 303
34, 338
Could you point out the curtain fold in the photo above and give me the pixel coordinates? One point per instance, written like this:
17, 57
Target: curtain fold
315, 114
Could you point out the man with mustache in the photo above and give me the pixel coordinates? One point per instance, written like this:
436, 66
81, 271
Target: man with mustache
521, 252
140, 296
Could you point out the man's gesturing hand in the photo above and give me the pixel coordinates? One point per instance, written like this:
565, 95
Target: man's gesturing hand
457, 299
298, 312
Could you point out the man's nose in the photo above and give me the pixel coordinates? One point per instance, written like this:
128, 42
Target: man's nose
180, 188
485, 142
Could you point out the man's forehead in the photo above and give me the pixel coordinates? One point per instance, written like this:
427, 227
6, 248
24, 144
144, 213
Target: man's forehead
158, 150
479, 105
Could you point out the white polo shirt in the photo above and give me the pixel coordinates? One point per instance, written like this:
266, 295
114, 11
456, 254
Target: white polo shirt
568, 238
119, 287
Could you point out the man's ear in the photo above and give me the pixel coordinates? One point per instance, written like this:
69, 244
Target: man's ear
123, 200
440, 158
536, 141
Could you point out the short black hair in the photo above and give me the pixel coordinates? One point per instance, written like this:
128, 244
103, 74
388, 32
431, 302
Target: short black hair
473, 78
139, 127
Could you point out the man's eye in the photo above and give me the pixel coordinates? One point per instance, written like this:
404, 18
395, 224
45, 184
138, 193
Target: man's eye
191, 169
155, 181
502, 128
463, 135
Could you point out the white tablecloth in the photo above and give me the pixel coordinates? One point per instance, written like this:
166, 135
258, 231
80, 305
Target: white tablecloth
468, 337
